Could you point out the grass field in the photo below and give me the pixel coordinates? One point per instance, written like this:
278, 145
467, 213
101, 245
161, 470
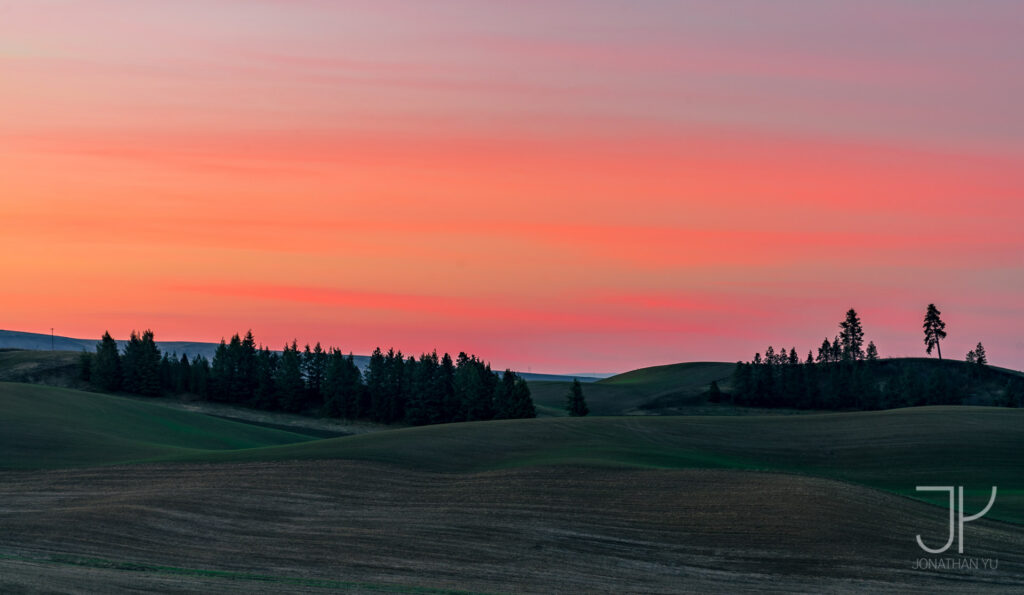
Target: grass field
661, 389
48, 427
101, 492
42, 427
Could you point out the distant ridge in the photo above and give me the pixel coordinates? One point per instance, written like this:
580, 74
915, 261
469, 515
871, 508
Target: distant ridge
41, 342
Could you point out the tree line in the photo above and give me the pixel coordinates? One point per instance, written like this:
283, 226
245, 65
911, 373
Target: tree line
845, 375
429, 390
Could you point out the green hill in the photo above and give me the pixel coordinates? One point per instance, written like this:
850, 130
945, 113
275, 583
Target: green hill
656, 390
977, 447
47, 427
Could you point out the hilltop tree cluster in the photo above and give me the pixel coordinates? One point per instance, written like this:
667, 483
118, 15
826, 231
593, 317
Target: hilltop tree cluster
393, 388
843, 375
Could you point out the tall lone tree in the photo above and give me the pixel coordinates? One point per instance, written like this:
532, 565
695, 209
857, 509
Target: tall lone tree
575, 403
934, 330
852, 336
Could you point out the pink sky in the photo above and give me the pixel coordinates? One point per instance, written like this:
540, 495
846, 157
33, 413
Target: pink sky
557, 186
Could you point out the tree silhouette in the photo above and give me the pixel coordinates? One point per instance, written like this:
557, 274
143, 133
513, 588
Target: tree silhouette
852, 336
934, 330
106, 366
141, 365
872, 353
575, 404
979, 355
714, 393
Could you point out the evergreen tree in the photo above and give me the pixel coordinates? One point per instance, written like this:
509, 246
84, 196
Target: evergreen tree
934, 330
200, 383
475, 386
575, 404
183, 376
504, 394
852, 336
106, 365
837, 350
246, 375
141, 365
265, 393
714, 393
810, 357
794, 359
446, 382
521, 403
825, 352
221, 373
291, 389
314, 368
872, 353
981, 358
168, 367
376, 385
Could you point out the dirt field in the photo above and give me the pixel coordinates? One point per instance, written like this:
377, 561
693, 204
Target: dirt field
322, 525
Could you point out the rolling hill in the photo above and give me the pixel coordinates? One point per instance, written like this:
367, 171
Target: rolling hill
102, 492
47, 427
675, 388
44, 427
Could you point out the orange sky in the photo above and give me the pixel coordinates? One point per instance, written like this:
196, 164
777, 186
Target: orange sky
567, 186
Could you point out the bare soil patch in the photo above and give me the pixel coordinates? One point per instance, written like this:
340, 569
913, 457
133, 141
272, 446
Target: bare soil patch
306, 526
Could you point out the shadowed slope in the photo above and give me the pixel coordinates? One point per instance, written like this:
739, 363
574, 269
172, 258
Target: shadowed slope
42, 426
265, 526
638, 391
897, 450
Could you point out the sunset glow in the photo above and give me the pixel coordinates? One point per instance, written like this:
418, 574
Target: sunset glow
556, 186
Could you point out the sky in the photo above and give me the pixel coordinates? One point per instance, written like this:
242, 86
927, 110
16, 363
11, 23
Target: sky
558, 186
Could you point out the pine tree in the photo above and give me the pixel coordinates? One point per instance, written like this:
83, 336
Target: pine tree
934, 330
714, 393
825, 352
872, 354
183, 378
475, 386
141, 365
376, 385
106, 365
246, 376
200, 383
852, 336
446, 382
575, 404
504, 394
314, 368
981, 357
149, 374
221, 372
521, 401
265, 393
288, 381
742, 383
